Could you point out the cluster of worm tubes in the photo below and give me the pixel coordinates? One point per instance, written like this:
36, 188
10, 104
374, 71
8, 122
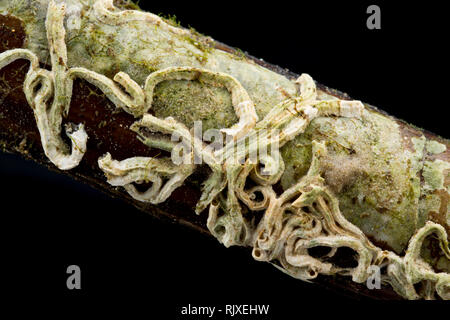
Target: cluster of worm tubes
243, 207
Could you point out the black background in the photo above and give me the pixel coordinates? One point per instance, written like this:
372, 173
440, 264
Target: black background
49, 222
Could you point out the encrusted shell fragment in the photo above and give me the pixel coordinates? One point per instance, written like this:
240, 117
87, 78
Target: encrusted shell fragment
349, 178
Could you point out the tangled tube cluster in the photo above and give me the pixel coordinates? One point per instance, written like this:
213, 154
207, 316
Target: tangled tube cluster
282, 229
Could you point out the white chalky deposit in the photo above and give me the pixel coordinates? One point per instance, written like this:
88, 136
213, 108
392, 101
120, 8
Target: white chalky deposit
305, 215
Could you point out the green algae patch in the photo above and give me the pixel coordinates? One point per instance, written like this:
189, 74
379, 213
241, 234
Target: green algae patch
435, 147
375, 179
433, 173
189, 101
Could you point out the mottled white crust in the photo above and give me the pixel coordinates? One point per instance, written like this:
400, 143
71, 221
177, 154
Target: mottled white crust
305, 216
